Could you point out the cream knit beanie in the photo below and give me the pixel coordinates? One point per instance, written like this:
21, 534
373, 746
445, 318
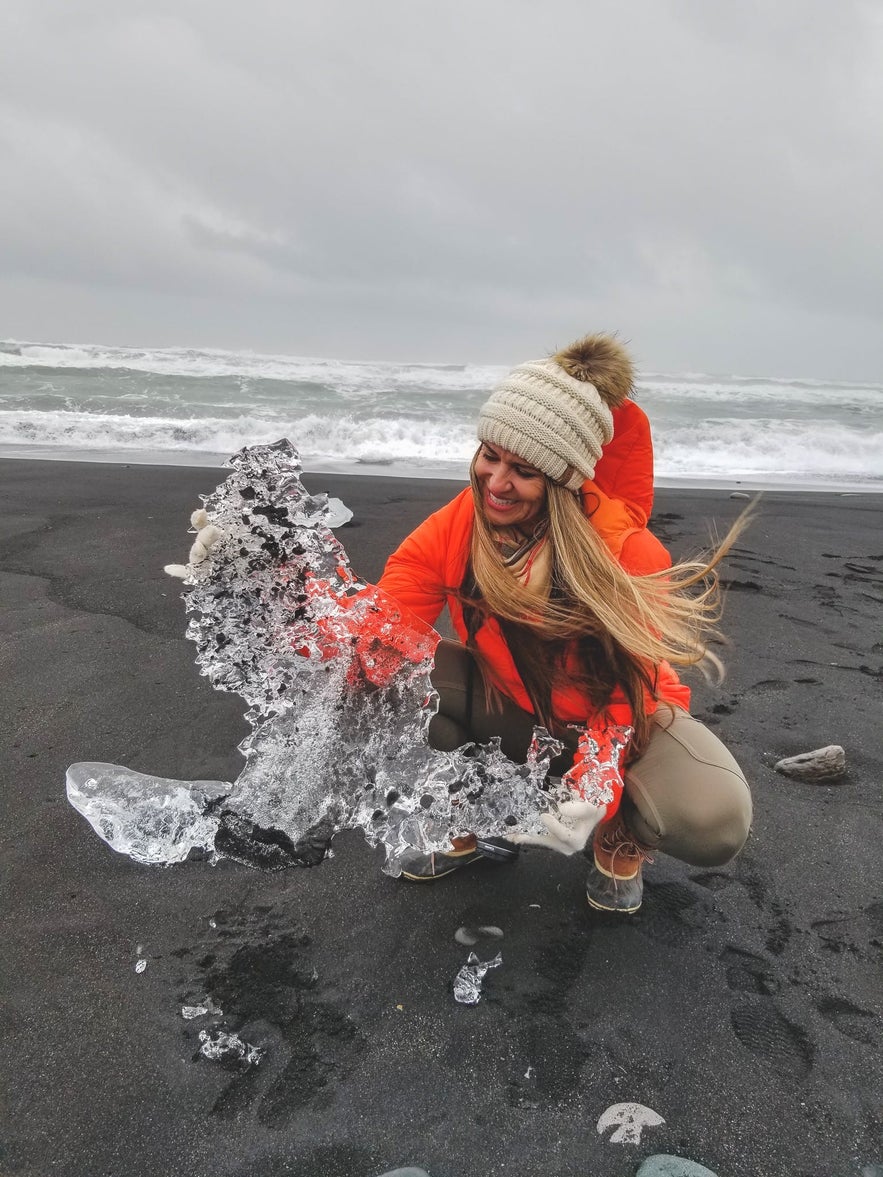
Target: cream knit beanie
555, 413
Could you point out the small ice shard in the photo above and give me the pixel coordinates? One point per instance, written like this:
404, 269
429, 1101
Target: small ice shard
467, 983
528, 1074
199, 1011
408, 1171
821, 766
219, 1046
140, 965
629, 1120
338, 513
151, 819
491, 930
663, 1165
466, 936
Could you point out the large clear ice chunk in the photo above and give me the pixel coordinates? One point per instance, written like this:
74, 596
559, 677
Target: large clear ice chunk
336, 676
151, 819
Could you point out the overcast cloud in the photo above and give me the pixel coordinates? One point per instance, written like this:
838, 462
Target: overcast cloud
459, 181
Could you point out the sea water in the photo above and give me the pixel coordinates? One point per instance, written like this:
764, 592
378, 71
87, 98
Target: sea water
187, 406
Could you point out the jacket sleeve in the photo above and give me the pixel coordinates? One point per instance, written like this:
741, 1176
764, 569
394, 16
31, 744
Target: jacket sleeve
417, 572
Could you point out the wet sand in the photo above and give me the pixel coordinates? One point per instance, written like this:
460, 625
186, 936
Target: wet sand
741, 1004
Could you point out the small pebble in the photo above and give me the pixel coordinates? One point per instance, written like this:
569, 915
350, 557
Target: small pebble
471, 936
663, 1165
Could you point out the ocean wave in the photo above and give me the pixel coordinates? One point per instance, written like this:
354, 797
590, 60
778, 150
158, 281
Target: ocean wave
769, 448
362, 379
785, 393
336, 439
186, 403
722, 448
208, 363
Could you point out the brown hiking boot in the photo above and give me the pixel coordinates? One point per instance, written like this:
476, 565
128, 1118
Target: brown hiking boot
614, 882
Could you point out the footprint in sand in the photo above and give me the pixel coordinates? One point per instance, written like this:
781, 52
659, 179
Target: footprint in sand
861, 1025
763, 1029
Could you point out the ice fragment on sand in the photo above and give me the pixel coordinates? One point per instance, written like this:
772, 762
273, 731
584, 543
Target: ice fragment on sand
467, 983
338, 513
140, 965
151, 819
629, 1120
663, 1165
199, 1011
219, 1046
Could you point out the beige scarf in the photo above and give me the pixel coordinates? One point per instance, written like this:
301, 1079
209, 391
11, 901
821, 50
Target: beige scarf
528, 558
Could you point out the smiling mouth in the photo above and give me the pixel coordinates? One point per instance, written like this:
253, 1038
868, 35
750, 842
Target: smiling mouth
500, 504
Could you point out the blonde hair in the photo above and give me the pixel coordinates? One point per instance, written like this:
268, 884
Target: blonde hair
635, 622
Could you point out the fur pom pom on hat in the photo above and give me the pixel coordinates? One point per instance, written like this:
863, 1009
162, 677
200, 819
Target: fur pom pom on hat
555, 413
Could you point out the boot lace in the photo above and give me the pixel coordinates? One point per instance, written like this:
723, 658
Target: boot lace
619, 842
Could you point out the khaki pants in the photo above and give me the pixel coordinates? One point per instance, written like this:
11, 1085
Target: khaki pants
685, 796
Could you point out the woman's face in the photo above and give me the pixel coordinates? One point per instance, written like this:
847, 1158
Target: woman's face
513, 493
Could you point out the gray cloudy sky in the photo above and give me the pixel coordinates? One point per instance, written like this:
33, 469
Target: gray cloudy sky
460, 180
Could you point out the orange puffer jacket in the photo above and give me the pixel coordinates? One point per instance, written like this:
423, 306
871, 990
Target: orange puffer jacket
429, 566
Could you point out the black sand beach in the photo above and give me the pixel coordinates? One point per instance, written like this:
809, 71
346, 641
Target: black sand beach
742, 1004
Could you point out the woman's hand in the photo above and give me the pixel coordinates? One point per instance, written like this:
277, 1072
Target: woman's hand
207, 536
567, 836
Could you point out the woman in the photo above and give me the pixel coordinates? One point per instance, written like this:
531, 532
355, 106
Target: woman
568, 613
